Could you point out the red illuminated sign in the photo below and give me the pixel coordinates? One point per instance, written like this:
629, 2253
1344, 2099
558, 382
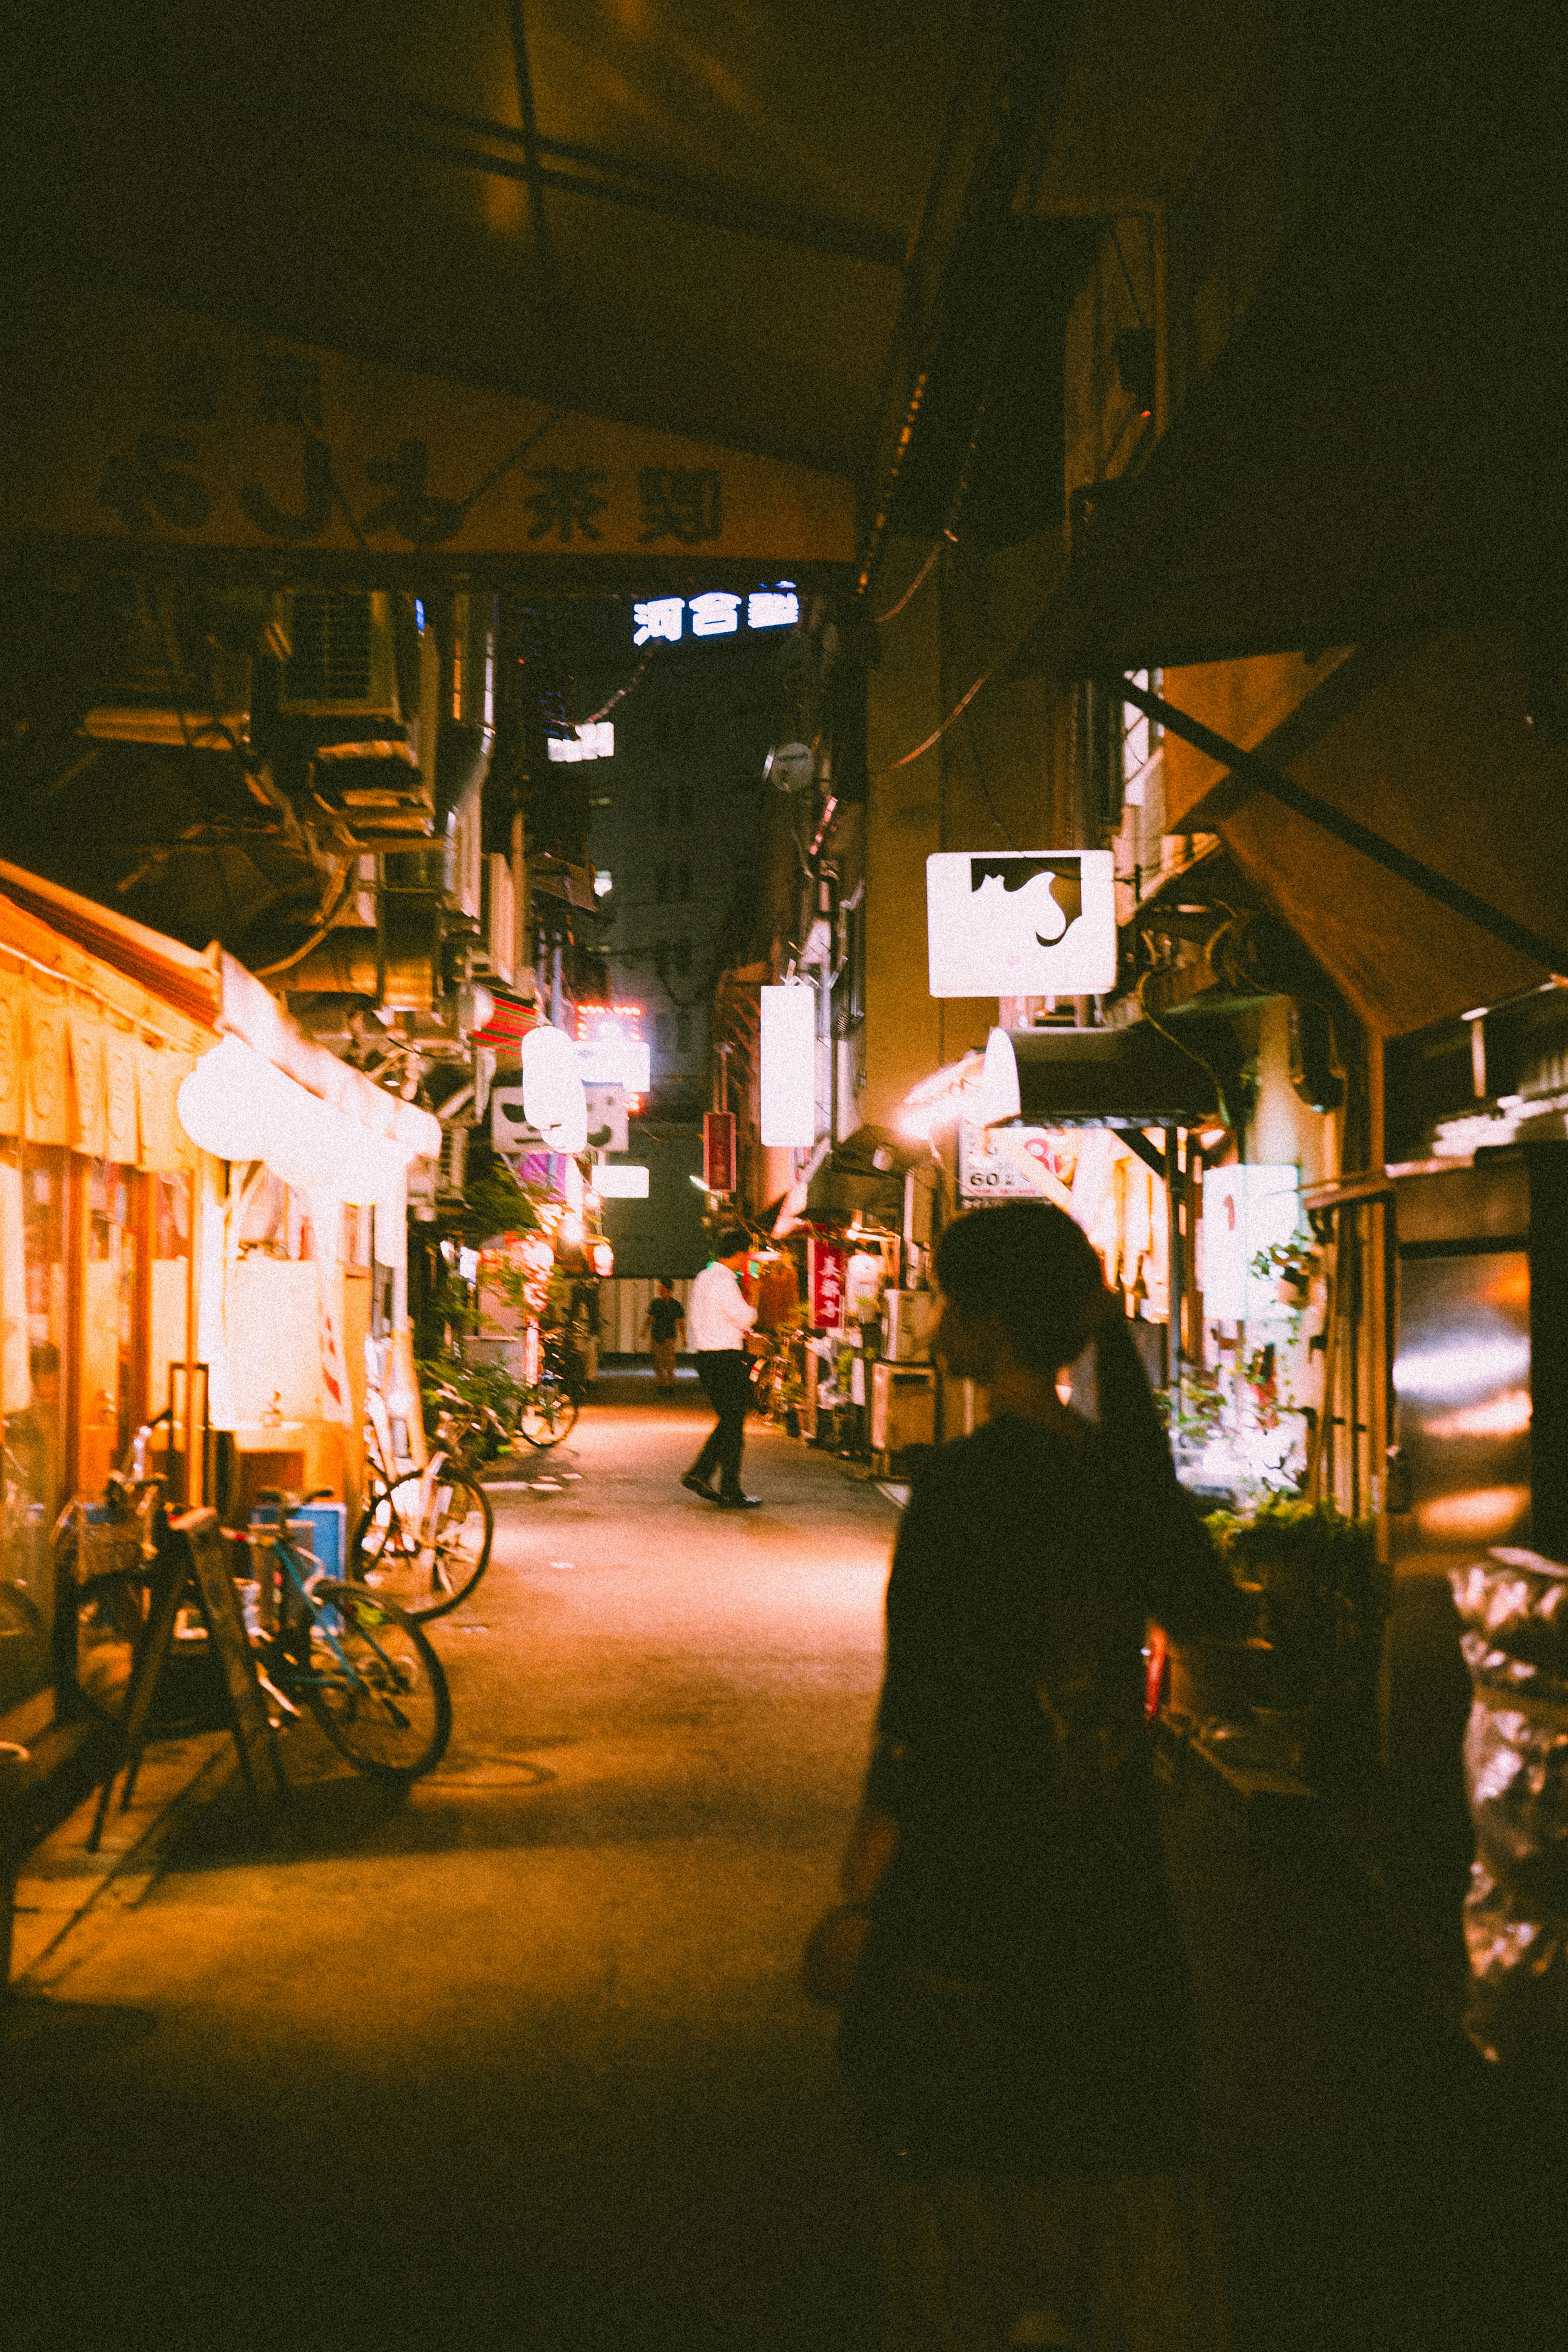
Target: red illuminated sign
718, 1151
826, 1261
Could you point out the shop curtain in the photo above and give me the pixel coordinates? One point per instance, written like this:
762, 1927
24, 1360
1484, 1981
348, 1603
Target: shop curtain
326, 1227
48, 1110
12, 1062
120, 1058
16, 1354
89, 1090
164, 1145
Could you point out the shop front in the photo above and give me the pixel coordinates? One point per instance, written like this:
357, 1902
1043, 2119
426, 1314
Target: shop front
202, 1225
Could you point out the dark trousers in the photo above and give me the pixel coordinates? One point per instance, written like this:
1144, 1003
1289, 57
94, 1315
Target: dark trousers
726, 1380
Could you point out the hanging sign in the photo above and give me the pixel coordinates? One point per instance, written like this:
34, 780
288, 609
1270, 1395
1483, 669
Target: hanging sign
1021, 922
718, 1151
826, 1264
140, 423
1012, 1164
1245, 1209
787, 1077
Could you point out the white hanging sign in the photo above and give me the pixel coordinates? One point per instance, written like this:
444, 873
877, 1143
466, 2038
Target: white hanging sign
1245, 1209
1021, 922
787, 1078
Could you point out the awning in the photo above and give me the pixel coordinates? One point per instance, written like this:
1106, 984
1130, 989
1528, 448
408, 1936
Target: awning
210, 992
1131, 1077
1412, 833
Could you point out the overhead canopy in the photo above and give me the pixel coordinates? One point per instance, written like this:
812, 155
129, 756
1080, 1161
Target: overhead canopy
1131, 1077
518, 197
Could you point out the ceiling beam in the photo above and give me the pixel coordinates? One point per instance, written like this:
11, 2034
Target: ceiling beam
543, 243
596, 176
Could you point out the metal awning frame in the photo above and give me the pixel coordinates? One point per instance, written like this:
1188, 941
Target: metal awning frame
1261, 775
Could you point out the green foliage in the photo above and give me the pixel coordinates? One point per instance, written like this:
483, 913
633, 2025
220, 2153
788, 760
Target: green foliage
1322, 1597
481, 1386
1193, 1408
1293, 1261
495, 1202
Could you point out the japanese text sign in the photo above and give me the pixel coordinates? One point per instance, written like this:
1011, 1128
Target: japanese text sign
147, 424
718, 1151
826, 1265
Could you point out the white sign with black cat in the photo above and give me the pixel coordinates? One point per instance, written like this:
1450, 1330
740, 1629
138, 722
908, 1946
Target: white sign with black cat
1035, 923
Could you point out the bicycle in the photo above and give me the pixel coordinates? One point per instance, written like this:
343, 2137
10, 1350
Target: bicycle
423, 1539
362, 1667
552, 1401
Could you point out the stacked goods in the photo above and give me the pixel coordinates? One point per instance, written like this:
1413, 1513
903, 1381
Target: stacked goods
1514, 1609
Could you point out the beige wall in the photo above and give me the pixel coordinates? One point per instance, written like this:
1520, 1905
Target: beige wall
998, 779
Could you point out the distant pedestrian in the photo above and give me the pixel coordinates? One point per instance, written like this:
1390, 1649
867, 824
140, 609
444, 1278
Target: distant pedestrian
665, 1322
718, 1322
1016, 2028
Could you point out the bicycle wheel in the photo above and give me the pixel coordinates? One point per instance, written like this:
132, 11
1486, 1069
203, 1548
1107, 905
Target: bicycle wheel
425, 1552
549, 1412
374, 1685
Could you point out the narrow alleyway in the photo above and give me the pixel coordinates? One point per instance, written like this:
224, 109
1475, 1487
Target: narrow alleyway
522, 2063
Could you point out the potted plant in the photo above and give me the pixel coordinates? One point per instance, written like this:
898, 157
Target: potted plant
1323, 1602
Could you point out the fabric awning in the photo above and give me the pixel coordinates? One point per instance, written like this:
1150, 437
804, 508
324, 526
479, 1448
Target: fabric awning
1131, 1077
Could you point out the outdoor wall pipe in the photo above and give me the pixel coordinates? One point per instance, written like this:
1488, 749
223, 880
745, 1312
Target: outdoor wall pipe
1264, 777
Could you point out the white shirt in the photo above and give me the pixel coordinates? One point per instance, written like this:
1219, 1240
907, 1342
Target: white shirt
717, 1316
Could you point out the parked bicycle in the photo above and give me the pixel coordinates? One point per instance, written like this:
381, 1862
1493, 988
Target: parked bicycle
425, 1535
347, 1653
552, 1402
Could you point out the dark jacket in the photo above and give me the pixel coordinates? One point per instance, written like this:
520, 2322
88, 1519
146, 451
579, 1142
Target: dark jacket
1026, 1914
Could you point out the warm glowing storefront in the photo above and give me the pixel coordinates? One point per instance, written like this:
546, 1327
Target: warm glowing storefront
225, 1294
98, 1186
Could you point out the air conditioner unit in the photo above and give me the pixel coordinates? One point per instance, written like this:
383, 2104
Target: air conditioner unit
903, 1407
343, 662
453, 1164
156, 695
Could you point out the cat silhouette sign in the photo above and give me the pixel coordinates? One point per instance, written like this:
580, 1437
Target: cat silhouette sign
1021, 922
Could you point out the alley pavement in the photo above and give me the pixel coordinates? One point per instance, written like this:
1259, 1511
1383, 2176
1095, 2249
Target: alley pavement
520, 2062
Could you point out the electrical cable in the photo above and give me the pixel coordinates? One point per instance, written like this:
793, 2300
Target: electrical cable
619, 695
980, 780
963, 704
914, 588
346, 876
1191, 1054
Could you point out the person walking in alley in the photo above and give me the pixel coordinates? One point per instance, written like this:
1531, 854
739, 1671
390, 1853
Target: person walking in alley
664, 1323
717, 1323
1016, 2032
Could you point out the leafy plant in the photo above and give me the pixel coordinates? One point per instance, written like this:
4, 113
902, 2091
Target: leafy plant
483, 1387
1194, 1407
1321, 1595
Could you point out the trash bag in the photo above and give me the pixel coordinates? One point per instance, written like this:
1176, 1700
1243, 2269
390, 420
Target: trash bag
1517, 2011
1515, 1608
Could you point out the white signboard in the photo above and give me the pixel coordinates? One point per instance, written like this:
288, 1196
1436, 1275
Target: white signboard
620, 1182
1021, 922
1245, 1210
614, 1062
1013, 1163
607, 1124
788, 1079
511, 1130
552, 1090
